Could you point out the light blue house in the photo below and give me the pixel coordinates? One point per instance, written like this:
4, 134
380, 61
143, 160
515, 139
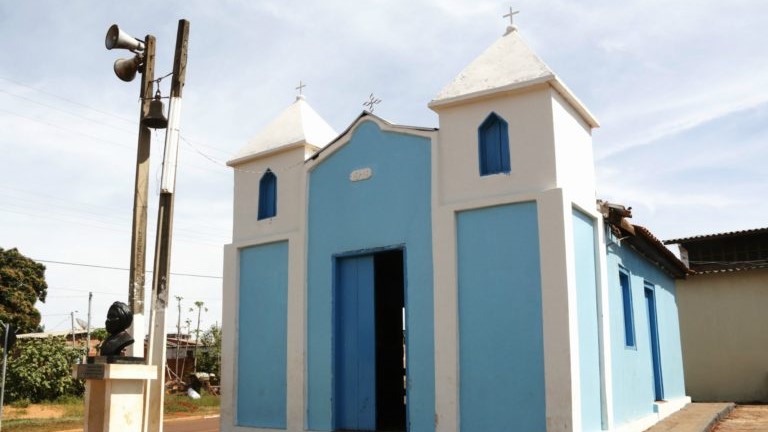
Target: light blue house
452, 279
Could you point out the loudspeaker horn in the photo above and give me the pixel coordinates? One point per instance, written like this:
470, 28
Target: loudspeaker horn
117, 38
126, 69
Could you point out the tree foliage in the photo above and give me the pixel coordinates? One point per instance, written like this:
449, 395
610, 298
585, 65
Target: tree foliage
209, 358
41, 369
22, 284
99, 333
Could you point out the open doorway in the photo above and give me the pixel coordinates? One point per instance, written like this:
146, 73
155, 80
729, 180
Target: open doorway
369, 348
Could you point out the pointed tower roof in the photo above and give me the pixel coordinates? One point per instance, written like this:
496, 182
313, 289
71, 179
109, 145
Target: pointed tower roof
506, 65
297, 125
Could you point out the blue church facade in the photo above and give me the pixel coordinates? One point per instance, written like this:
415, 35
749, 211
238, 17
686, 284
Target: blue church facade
453, 279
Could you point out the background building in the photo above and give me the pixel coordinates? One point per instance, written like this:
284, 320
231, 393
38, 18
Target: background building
723, 316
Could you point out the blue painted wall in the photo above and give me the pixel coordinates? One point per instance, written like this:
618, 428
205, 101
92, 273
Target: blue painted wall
262, 343
501, 357
586, 304
392, 208
632, 367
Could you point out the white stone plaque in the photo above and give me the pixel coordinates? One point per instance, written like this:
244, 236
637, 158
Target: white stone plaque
360, 174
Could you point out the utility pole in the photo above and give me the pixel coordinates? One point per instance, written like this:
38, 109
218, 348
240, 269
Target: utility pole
160, 279
88, 326
9, 338
178, 333
199, 305
72, 318
140, 192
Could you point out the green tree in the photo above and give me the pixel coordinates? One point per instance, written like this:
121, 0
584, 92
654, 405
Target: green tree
22, 284
99, 334
209, 358
41, 369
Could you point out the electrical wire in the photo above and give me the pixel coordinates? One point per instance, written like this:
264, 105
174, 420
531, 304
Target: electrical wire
18, 83
120, 268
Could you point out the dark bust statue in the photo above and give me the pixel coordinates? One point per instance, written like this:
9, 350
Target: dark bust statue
119, 318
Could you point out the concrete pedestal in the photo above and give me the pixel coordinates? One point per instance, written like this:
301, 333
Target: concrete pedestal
114, 395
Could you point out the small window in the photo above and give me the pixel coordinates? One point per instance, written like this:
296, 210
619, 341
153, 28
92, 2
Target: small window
493, 146
626, 299
267, 195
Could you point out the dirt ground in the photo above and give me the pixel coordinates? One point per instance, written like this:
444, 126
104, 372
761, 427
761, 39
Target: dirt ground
33, 411
745, 418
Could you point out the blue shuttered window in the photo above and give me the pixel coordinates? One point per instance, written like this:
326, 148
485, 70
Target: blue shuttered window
493, 146
268, 195
629, 320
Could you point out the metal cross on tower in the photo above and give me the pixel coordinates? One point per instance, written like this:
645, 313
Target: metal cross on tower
371, 102
300, 88
511, 16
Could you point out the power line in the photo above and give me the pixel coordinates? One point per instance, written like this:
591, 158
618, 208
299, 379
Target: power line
121, 268
133, 122
63, 111
68, 100
77, 132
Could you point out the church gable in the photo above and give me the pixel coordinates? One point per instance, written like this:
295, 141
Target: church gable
370, 192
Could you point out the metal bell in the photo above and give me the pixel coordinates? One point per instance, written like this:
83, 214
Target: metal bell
155, 118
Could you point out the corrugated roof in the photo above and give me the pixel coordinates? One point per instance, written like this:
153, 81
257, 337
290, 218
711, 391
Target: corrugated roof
717, 236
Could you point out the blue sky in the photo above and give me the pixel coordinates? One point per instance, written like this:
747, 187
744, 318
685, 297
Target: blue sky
680, 89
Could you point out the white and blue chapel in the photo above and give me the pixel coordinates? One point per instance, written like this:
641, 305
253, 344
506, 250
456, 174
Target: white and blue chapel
460, 278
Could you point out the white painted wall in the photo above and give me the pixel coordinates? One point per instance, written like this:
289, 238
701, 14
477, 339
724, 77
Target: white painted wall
288, 166
528, 113
289, 225
723, 322
552, 164
575, 169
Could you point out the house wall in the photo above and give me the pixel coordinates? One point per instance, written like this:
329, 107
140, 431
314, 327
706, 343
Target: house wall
632, 370
389, 209
723, 322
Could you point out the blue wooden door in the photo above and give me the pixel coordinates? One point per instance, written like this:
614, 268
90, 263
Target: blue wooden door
653, 330
355, 345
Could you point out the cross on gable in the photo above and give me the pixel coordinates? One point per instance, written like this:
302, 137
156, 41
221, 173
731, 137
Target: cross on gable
371, 102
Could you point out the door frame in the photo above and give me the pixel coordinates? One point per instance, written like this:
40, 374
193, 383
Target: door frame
653, 339
334, 314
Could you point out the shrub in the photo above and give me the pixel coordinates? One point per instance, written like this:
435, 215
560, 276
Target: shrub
41, 369
21, 403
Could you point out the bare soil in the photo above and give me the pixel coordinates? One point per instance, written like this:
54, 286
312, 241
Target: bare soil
745, 418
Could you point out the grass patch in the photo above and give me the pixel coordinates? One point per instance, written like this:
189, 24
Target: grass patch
42, 425
178, 404
74, 411
21, 403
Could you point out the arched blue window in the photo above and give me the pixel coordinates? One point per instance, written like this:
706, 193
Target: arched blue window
267, 195
493, 145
